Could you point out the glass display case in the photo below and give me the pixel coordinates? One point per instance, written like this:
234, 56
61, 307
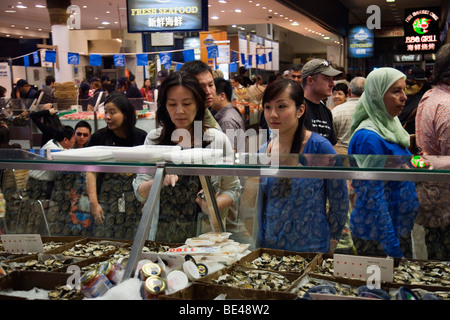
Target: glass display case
66, 212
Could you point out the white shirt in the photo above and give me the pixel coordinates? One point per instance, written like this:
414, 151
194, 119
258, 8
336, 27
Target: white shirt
47, 175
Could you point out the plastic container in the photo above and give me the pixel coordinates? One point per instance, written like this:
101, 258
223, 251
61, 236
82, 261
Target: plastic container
94, 284
191, 270
366, 292
177, 280
404, 293
322, 289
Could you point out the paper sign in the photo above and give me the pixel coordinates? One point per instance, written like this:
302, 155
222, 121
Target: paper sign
348, 266
172, 260
22, 243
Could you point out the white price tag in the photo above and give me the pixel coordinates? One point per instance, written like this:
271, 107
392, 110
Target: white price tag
359, 267
22, 243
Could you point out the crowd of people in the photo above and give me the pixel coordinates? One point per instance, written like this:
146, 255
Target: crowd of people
308, 111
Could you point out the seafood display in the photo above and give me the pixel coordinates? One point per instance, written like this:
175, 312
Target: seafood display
266, 261
264, 270
326, 267
65, 293
90, 249
254, 279
39, 265
433, 273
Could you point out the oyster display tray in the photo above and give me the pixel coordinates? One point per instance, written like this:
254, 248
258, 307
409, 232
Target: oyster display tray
312, 257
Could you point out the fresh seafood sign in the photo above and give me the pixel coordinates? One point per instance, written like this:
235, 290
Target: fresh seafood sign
167, 15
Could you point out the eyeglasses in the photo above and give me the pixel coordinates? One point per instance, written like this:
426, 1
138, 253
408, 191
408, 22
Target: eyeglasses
82, 134
324, 63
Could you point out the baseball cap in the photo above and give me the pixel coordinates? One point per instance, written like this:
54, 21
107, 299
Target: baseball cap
416, 73
316, 66
93, 79
162, 74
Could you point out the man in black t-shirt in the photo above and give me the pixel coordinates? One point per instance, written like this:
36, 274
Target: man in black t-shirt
318, 82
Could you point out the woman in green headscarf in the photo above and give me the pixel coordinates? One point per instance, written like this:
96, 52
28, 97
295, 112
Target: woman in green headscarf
384, 212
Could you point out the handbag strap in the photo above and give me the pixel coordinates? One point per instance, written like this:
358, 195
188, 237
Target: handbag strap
412, 114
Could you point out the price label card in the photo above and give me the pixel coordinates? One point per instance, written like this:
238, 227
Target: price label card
360, 267
22, 243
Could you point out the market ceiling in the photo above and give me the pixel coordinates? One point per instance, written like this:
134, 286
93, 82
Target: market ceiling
30, 19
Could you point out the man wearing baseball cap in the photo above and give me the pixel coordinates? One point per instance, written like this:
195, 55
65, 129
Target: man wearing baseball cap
318, 82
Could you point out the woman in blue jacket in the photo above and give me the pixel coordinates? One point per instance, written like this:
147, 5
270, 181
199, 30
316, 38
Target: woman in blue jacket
384, 212
293, 213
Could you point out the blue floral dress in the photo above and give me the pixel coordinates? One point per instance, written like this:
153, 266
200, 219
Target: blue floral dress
302, 214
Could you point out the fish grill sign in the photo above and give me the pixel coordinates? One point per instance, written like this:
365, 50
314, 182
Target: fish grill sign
360, 42
421, 30
167, 15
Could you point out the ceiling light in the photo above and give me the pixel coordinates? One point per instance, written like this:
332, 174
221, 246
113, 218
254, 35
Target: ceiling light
10, 11
7, 35
295, 23
234, 26
39, 6
326, 38
390, 0
222, 1
84, 7
108, 11
21, 6
215, 17
105, 22
238, 10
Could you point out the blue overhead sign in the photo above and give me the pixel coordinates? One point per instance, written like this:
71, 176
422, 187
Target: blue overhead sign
360, 42
167, 15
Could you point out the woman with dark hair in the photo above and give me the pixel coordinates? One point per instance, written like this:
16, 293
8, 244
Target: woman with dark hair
147, 91
340, 94
120, 130
5, 138
293, 213
180, 108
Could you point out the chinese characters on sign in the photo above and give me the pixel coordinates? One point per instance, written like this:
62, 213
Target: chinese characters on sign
167, 15
421, 30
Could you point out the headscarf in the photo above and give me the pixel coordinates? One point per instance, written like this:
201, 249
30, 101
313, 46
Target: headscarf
371, 113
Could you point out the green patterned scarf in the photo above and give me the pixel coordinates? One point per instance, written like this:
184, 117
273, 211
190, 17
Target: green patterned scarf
371, 113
